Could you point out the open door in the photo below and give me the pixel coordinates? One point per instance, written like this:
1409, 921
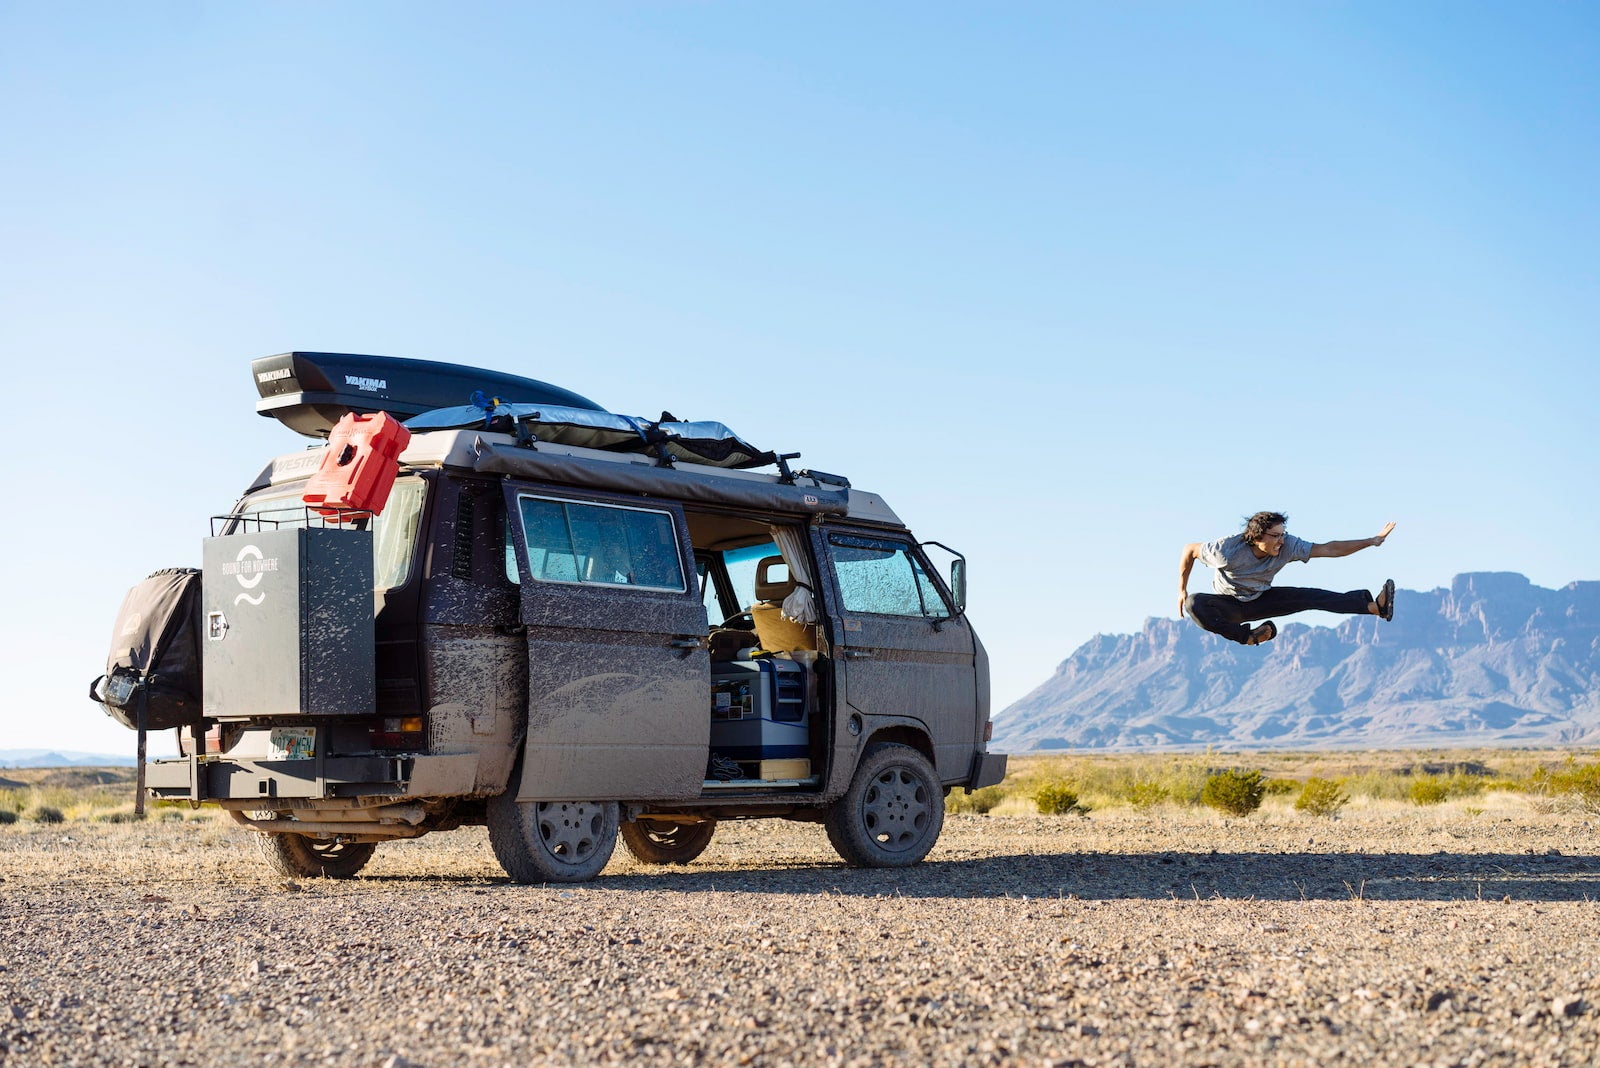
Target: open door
619, 680
904, 649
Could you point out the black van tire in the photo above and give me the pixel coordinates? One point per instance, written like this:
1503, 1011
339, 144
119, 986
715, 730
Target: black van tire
893, 811
663, 842
551, 841
310, 858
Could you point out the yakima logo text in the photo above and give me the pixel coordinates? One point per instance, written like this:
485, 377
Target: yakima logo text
370, 385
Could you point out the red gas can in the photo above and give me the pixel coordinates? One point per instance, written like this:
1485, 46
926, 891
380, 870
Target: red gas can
358, 467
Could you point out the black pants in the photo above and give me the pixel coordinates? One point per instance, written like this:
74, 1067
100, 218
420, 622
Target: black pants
1227, 616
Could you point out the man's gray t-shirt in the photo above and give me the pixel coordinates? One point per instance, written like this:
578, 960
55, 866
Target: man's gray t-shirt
1237, 572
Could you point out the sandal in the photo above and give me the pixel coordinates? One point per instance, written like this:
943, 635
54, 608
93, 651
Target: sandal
1264, 633
1385, 601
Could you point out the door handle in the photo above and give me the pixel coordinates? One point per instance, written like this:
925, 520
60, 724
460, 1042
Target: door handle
686, 646
858, 654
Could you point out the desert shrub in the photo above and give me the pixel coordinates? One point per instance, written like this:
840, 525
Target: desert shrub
7, 816
120, 816
1281, 787
1429, 789
1459, 784
1146, 794
1321, 797
1378, 785
1581, 782
1055, 798
1186, 783
46, 814
978, 802
1237, 793
59, 797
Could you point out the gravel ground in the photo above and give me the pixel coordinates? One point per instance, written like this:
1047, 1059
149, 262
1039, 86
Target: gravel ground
1389, 936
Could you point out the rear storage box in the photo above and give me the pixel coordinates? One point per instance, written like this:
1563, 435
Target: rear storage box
759, 716
288, 623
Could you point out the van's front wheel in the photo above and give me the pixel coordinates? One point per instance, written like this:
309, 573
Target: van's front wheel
551, 841
892, 813
662, 842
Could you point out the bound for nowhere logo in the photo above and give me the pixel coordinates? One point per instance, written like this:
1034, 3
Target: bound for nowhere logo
249, 567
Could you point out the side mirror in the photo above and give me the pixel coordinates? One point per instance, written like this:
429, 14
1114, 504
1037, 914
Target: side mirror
958, 574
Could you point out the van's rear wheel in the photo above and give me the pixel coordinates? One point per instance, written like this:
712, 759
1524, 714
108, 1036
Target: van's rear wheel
295, 854
551, 841
663, 842
892, 813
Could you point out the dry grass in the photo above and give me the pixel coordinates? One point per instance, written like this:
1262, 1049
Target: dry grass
79, 795
1152, 782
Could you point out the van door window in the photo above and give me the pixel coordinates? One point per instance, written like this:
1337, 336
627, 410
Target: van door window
883, 577
600, 544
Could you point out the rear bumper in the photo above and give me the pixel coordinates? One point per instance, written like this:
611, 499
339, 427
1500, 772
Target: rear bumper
987, 770
224, 779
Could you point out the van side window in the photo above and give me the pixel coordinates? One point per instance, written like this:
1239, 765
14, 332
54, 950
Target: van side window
884, 577
708, 588
512, 572
604, 544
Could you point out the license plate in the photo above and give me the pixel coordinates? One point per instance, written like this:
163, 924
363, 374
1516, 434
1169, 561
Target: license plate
292, 743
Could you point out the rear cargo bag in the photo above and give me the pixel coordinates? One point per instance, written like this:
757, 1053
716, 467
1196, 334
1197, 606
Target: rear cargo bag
154, 667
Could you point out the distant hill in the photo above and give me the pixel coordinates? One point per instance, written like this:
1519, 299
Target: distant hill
1493, 660
61, 758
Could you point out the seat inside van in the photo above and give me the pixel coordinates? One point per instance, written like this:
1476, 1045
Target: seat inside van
744, 580
776, 633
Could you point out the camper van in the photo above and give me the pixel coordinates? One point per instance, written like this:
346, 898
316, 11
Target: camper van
555, 621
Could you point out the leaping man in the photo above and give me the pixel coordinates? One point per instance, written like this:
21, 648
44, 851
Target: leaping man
1244, 566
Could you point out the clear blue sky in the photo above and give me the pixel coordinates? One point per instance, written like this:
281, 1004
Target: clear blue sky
1070, 284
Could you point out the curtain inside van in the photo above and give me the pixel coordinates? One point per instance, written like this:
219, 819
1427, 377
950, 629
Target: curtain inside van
801, 605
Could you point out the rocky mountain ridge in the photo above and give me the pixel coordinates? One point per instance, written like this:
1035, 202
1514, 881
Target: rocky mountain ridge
1492, 660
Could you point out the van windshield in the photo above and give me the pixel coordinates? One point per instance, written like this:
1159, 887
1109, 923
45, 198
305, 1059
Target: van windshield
741, 565
394, 532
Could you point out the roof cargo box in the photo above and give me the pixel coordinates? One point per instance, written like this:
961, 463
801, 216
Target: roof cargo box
311, 391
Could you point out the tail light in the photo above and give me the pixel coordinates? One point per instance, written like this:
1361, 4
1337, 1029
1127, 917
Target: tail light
398, 732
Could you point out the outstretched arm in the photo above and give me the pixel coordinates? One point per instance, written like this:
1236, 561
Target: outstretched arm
1191, 553
1345, 548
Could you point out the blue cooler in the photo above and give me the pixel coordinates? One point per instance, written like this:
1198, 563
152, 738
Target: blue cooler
758, 710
